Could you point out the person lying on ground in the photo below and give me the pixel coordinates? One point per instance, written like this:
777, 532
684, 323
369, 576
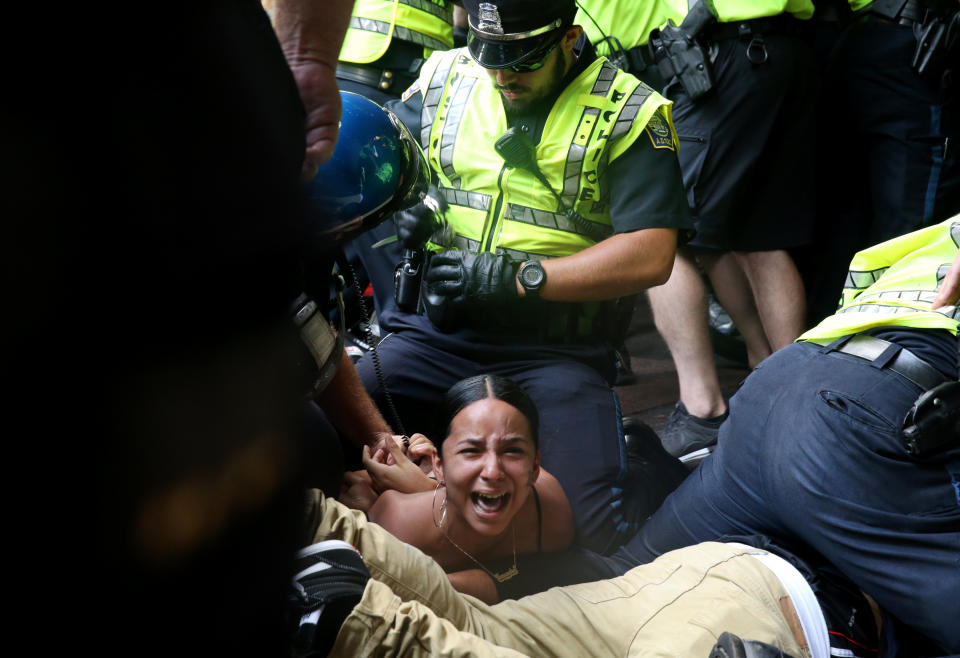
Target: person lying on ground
363, 592
491, 500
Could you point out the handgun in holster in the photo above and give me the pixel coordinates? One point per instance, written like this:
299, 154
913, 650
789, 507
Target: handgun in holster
677, 52
938, 36
933, 421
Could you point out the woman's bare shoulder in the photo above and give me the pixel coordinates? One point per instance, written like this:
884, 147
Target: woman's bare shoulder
405, 516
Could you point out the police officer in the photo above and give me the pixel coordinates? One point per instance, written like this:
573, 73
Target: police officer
385, 45
536, 147
175, 299
388, 40
743, 80
856, 425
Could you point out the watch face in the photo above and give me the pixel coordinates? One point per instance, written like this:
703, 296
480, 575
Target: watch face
532, 275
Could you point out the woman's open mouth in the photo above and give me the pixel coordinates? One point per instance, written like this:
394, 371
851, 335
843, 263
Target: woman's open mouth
488, 504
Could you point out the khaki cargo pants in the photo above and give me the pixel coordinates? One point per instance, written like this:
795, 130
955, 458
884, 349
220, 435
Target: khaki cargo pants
675, 606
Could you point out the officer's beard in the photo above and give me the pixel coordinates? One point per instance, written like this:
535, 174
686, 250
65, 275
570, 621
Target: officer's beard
548, 93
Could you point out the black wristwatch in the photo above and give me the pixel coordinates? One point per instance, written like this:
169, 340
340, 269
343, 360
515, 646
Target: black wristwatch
532, 277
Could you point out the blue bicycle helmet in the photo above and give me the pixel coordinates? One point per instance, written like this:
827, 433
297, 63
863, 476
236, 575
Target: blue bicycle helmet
377, 168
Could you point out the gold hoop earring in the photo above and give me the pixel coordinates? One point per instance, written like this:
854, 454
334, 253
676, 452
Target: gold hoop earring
443, 506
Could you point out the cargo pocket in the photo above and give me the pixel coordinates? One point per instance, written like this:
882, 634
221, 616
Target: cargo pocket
692, 154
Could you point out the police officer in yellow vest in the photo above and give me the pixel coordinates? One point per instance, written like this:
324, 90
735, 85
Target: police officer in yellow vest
385, 45
388, 40
848, 442
562, 192
741, 74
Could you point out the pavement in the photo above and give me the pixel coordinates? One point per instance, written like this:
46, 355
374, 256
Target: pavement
654, 391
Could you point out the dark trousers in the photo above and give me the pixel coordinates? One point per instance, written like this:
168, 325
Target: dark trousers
812, 453
885, 166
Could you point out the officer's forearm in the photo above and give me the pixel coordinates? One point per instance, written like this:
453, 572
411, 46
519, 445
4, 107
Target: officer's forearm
624, 264
350, 408
312, 31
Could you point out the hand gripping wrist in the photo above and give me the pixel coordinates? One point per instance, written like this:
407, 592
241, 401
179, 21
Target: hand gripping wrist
415, 226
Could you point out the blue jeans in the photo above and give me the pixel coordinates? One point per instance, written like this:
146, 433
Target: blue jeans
811, 453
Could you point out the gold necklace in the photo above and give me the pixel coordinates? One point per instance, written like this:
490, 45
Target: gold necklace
503, 576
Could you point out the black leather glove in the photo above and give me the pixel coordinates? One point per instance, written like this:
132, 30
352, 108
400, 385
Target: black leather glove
415, 226
465, 277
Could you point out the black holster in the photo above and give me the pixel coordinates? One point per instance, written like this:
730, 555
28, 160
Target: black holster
406, 279
936, 26
677, 52
938, 35
933, 421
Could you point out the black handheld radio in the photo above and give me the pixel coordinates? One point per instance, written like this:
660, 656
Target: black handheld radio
519, 151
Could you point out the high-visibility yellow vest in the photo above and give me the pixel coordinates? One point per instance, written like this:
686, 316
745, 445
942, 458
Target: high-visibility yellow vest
374, 23
728, 11
894, 283
496, 208
630, 22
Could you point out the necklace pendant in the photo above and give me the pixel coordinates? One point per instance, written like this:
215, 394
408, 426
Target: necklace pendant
504, 576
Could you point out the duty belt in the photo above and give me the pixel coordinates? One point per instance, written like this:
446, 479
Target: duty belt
902, 12
782, 24
383, 79
905, 363
552, 322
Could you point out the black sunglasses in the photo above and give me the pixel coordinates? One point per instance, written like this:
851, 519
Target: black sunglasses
534, 61
537, 61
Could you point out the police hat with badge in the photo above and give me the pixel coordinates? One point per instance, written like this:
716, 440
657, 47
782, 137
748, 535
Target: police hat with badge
516, 34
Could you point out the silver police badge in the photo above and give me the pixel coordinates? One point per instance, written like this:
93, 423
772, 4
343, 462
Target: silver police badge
489, 19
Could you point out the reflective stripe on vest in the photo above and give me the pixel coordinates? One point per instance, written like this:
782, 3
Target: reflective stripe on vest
494, 208
894, 284
374, 23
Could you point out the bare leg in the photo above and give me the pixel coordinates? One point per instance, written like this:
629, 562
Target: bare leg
680, 314
778, 291
735, 295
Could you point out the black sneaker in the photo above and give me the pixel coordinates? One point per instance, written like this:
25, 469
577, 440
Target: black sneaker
690, 437
730, 646
329, 582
